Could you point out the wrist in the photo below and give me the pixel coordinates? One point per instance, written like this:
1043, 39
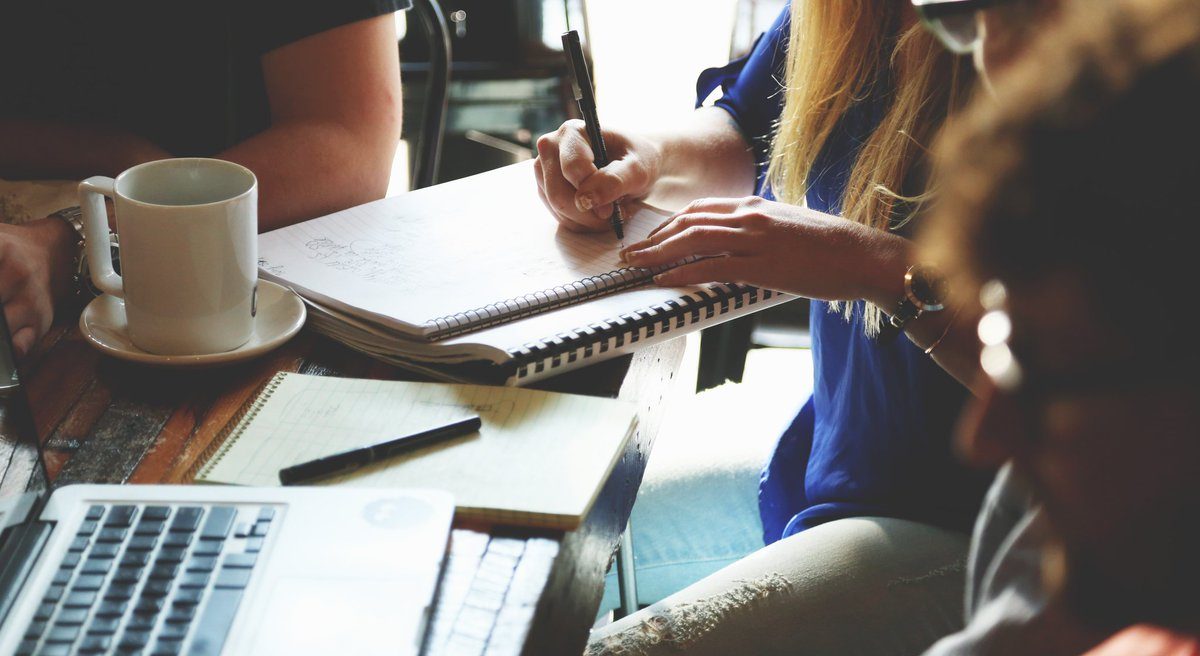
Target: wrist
60, 246
887, 260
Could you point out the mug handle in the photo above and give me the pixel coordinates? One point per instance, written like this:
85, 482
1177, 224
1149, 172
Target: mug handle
95, 230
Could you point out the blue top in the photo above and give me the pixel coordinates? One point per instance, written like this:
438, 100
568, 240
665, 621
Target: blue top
875, 437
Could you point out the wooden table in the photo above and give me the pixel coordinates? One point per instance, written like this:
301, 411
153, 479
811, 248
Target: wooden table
107, 421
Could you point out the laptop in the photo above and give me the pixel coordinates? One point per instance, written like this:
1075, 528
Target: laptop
206, 570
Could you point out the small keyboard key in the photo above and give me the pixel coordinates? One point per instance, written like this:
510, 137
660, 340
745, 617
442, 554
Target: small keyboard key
202, 563
143, 622
135, 559
266, 514
188, 596
163, 570
194, 580
63, 576
148, 606
120, 516
156, 512
111, 609
105, 550
142, 543
241, 560
80, 600
66, 634
86, 528
260, 529
103, 625
97, 566
70, 561
134, 640
167, 648
35, 630
186, 519
181, 614
123, 592
71, 616
126, 575
243, 530
174, 631
59, 649
177, 540
220, 520
254, 545
43, 612
79, 543
94, 513
55, 592
88, 583
173, 555
150, 527
230, 577
207, 548
95, 644
155, 588
26, 648
111, 534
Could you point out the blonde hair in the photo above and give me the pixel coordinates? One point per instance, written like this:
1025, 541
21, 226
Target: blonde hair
840, 52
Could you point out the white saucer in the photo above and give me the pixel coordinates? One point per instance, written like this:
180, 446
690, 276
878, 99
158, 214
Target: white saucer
281, 315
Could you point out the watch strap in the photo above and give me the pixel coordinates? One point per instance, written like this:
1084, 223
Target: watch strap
905, 312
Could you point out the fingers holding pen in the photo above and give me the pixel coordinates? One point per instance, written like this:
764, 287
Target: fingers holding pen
562, 221
555, 175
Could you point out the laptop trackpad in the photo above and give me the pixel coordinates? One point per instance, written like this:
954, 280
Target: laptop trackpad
331, 616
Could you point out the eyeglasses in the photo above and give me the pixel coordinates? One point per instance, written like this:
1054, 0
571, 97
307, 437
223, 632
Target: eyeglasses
954, 22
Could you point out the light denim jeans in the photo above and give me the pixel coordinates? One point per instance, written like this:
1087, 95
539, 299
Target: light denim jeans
873, 586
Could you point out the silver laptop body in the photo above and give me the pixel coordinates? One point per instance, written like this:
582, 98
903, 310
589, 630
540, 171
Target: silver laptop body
190, 569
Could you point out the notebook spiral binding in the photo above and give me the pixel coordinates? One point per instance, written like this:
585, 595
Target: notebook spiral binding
547, 299
215, 451
565, 348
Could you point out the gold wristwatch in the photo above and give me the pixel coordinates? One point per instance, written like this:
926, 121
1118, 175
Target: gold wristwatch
925, 290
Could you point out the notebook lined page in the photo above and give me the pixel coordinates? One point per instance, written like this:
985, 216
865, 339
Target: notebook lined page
389, 258
539, 454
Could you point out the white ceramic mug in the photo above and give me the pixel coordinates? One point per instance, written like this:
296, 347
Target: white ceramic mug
188, 256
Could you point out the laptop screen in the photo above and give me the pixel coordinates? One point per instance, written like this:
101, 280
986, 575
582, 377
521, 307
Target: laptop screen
22, 473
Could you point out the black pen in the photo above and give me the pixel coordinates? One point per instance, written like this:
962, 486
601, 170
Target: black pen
581, 85
347, 461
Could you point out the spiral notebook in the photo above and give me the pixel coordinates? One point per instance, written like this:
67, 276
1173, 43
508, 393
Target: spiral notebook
540, 459
471, 280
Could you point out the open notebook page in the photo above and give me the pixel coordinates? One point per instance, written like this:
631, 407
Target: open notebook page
540, 458
440, 251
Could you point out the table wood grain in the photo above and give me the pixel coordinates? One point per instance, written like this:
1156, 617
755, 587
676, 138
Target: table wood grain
107, 421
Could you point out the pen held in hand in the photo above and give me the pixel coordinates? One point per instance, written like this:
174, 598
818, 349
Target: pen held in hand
348, 461
585, 97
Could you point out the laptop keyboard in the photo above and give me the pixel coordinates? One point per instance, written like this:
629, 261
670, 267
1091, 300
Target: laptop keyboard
149, 580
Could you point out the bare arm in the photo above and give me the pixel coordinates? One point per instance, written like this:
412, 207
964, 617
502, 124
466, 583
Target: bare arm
706, 156
35, 149
807, 253
335, 123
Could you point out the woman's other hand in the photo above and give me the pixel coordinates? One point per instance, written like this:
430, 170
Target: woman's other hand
777, 246
580, 196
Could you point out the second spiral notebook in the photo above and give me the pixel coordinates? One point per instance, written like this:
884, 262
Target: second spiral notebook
471, 281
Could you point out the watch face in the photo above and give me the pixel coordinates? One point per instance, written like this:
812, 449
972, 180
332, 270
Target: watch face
929, 287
